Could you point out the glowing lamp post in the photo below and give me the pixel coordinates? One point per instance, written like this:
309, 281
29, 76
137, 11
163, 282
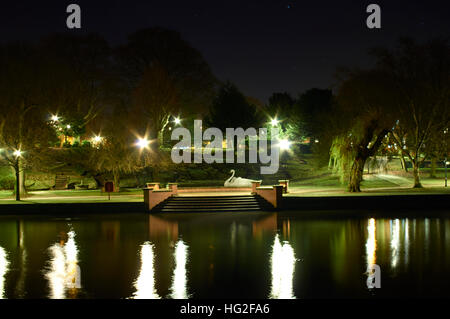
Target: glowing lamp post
446, 164
274, 122
97, 139
445, 160
177, 120
142, 143
284, 144
17, 154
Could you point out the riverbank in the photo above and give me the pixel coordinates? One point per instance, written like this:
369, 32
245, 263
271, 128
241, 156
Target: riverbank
423, 200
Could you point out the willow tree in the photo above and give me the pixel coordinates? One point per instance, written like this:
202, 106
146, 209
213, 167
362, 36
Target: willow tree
362, 123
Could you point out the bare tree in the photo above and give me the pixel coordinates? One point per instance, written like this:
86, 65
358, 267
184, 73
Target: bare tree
24, 135
421, 76
156, 97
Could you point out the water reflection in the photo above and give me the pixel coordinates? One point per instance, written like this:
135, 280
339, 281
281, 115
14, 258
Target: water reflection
427, 240
4, 265
283, 266
406, 239
145, 283
159, 227
64, 273
128, 256
371, 244
20, 287
179, 279
395, 242
266, 224
372, 271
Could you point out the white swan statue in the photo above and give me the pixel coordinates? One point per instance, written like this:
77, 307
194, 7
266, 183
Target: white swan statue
237, 181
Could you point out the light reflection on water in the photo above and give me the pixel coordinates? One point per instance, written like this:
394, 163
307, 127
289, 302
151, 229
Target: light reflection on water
4, 264
179, 278
145, 283
406, 256
371, 244
63, 273
222, 255
395, 242
283, 266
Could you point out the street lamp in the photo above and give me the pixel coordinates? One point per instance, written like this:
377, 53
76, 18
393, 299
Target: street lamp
142, 143
274, 122
446, 163
284, 144
97, 139
445, 159
17, 154
177, 120
55, 118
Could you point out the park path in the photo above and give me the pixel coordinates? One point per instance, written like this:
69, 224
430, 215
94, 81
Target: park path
75, 198
397, 180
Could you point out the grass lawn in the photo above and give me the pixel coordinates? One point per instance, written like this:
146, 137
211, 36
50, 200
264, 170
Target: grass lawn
72, 196
324, 185
376, 184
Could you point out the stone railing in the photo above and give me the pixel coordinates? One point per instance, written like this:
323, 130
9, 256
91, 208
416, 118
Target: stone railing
153, 195
272, 194
285, 184
255, 184
153, 185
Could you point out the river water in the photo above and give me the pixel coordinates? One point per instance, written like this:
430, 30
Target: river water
234, 255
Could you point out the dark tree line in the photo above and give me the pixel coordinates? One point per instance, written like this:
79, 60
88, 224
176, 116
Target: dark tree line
75, 101
65, 90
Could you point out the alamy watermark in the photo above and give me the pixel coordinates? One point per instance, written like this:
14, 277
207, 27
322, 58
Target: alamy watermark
373, 276
373, 21
258, 150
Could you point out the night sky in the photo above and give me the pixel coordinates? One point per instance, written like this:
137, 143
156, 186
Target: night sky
262, 46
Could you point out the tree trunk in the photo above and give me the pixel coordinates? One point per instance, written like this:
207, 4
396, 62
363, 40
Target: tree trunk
403, 161
19, 188
165, 121
116, 177
160, 138
417, 183
356, 174
17, 172
23, 190
99, 180
433, 167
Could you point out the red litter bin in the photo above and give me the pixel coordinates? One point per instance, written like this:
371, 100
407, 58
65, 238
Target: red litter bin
109, 187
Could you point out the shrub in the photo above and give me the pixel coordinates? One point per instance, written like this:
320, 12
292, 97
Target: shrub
7, 182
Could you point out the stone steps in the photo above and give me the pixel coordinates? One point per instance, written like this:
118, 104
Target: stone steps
181, 204
61, 181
